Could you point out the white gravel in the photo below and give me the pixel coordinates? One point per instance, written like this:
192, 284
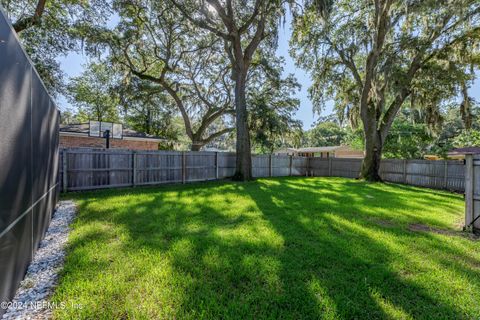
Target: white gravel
32, 298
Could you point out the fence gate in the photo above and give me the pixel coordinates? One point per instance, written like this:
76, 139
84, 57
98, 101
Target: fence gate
472, 192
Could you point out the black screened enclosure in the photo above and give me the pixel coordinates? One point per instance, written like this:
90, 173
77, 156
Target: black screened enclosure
29, 189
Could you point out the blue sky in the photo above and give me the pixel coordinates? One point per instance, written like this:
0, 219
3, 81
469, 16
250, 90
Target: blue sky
305, 112
72, 65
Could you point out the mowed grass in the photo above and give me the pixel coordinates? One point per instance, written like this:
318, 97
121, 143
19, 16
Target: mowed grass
290, 248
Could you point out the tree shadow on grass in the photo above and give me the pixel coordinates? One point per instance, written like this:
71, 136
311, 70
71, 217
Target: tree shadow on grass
349, 262
282, 248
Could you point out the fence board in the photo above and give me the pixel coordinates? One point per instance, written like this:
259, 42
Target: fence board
320, 167
226, 164
200, 166
158, 167
280, 166
455, 176
261, 166
393, 170
347, 168
299, 166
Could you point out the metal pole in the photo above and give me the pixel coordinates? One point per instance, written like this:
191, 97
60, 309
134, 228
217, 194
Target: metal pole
107, 137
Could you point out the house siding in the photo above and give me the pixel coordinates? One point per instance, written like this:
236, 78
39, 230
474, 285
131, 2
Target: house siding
348, 153
93, 142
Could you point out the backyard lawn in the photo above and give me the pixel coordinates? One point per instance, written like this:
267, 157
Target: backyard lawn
274, 248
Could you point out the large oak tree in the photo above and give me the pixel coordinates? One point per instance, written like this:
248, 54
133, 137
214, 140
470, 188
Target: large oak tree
372, 56
242, 26
155, 43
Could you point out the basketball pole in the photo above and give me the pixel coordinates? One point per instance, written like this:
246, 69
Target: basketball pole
107, 137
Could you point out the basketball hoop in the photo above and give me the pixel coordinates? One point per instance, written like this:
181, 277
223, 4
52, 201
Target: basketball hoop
99, 128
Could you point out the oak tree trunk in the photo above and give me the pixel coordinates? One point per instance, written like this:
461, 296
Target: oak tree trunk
373, 155
196, 146
243, 170
373, 146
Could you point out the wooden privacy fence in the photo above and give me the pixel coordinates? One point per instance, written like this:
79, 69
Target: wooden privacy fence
472, 192
86, 169
444, 174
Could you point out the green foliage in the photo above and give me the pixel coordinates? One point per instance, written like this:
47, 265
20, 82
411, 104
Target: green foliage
68, 116
175, 67
92, 92
272, 106
452, 126
325, 134
407, 140
58, 31
335, 50
373, 58
468, 138
148, 109
290, 248
354, 138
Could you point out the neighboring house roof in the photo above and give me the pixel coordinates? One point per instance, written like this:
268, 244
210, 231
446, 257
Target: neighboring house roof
321, 149
214, 150
314, 149
467, 150
83, 129
285, 150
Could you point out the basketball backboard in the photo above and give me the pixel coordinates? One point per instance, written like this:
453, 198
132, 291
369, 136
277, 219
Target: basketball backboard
98, 128
117, 131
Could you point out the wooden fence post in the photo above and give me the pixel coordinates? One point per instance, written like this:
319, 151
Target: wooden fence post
134, 168
65, 170
290, 166
270, 165
216, 165
329, 166
445, 175
307, 169
404, 171
469, 174
184, 171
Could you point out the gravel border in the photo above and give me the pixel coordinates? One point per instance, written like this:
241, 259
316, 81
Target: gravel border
31, 300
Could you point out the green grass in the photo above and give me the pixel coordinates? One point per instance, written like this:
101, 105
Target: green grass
274, 248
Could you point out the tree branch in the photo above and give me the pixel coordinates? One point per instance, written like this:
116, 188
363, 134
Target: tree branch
252, 18
27, 22
200, 23
217, 134
252, 46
